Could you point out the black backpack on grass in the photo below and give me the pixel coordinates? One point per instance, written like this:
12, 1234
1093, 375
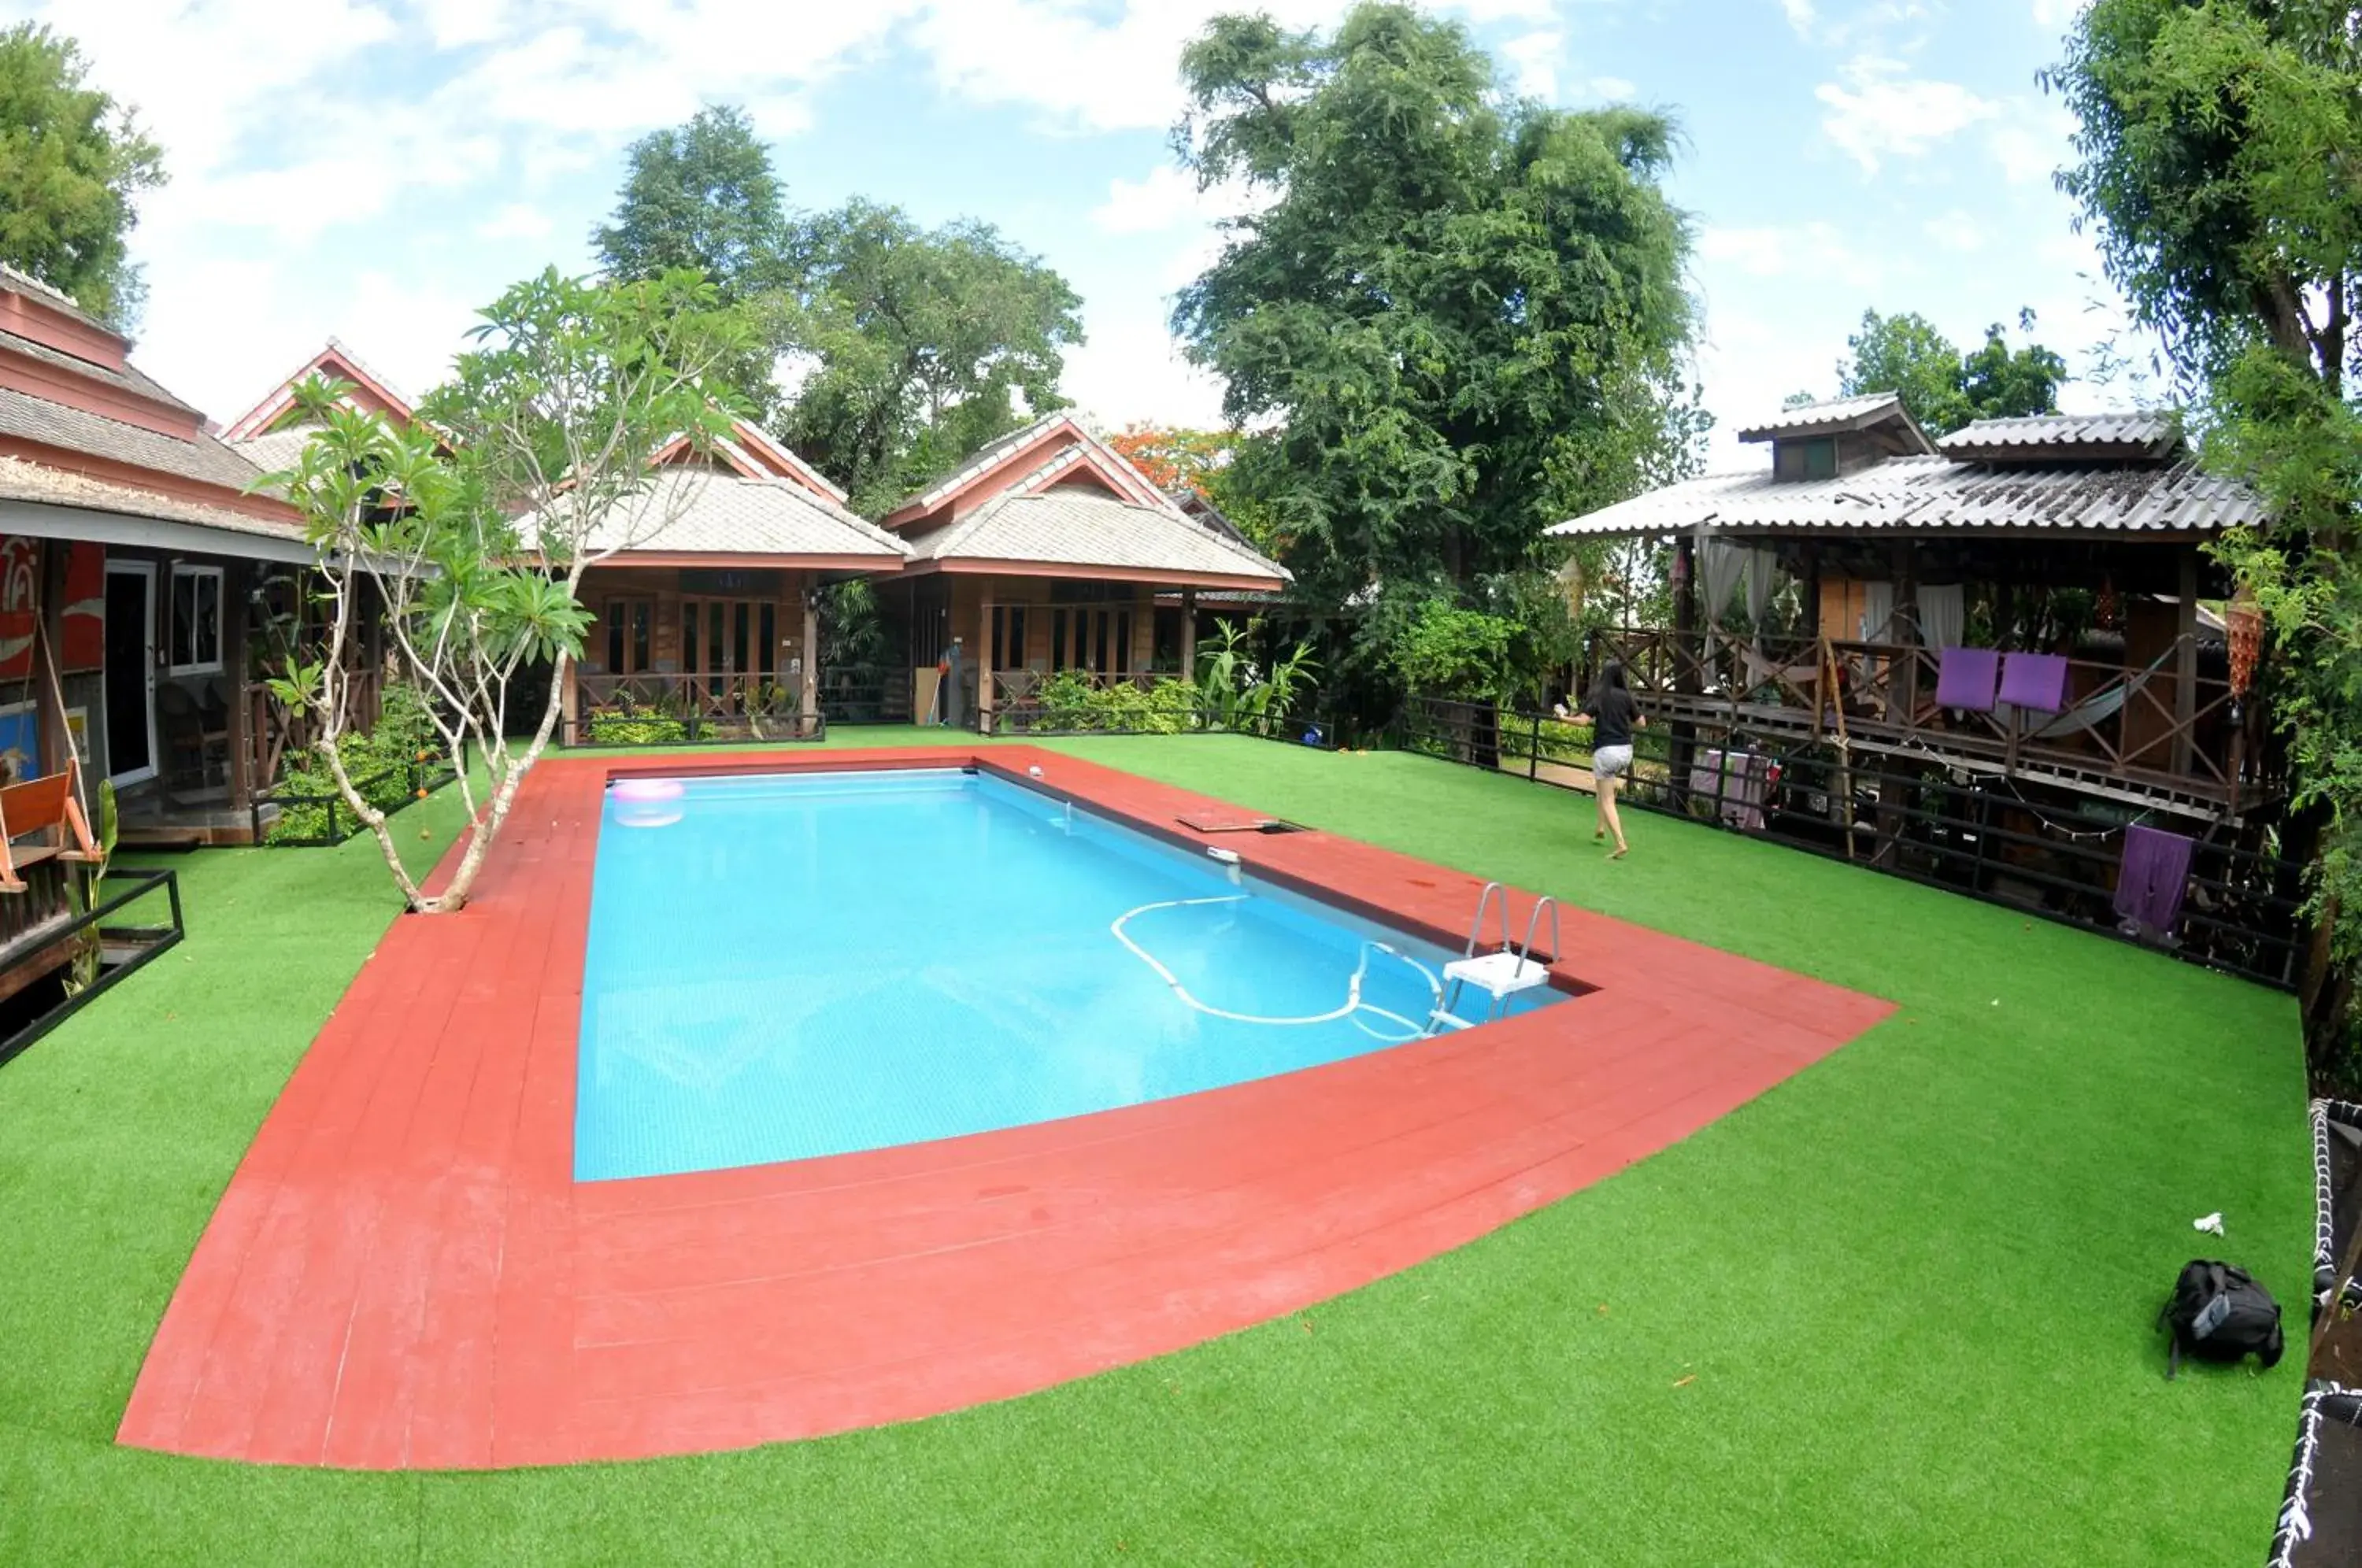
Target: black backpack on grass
2218, 1313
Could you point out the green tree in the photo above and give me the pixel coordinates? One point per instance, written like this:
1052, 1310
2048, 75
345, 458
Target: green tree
1944, 389
921, 344
1460, 318
702, 196
2216, 149
72, 165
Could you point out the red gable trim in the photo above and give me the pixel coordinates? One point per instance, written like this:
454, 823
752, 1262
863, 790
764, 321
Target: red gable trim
29, 316
1015, 464
979, 565
1017, 470
20, 371
739, 558
334, 363
268, 507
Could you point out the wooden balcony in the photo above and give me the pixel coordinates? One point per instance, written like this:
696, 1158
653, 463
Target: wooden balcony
2156, 735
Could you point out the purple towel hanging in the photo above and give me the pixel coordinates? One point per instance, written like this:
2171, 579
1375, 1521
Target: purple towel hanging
1964, 677
2035, 681
2153, 876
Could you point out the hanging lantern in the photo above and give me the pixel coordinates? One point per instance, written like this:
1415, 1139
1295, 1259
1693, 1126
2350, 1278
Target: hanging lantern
2242, 621
2106, 610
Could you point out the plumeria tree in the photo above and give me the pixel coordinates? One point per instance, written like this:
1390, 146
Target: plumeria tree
470, 531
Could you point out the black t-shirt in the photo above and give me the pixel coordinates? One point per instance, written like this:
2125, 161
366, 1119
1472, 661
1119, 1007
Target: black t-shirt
1612, 710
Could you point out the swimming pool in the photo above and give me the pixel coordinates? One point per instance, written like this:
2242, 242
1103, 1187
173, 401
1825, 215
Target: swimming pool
787, 966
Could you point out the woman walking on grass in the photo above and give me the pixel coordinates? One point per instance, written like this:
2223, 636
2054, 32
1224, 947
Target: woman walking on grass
1613, 716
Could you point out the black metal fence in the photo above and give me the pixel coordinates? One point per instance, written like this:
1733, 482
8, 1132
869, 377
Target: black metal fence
1983, 834
305, 819
131, 947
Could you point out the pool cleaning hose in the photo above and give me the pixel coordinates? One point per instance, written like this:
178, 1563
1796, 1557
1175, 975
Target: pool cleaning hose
1352, 1007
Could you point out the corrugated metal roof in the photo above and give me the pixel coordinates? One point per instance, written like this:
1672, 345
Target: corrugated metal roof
700, 511
2135, 431
1814, 419
1936, 494
1073, 526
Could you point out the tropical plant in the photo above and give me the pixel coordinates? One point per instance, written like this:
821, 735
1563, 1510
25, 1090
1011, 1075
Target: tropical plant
2215, 144
551, 418
82, 894
72, 166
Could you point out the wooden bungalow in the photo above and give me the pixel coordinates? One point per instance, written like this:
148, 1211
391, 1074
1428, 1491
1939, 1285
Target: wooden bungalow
131, 525
706, 604
1047, 551
1996, 644
130, 551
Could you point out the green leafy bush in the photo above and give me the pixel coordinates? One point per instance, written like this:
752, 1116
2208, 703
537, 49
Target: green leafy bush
386, 765
636, 729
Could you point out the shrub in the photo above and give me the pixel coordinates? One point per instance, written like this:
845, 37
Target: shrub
385, 765
636, 729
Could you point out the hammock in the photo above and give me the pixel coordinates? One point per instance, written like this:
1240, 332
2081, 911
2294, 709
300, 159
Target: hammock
2091, 711
1760, 669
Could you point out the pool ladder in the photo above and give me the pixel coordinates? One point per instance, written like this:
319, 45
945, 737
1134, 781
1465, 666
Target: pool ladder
1500, 973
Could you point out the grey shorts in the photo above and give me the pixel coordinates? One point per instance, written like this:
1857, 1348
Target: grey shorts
1611, 761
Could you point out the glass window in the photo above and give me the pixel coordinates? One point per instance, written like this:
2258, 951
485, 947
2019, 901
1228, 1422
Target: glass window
196, 620
767, 642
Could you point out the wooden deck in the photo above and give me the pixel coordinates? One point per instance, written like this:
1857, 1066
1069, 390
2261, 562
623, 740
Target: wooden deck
403, 1272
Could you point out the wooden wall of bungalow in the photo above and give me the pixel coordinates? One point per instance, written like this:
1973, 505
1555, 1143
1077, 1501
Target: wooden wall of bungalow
739, 630
1012, 622
2157, 587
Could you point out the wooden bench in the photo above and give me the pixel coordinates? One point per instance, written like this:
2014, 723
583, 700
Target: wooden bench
50, 804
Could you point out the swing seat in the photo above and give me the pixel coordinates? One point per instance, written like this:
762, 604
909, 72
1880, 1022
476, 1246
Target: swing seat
50, 804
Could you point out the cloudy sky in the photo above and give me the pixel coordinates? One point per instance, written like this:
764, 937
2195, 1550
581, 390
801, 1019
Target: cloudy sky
375, 169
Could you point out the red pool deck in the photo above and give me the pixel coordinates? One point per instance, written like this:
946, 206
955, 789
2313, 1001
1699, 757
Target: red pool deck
404, 1274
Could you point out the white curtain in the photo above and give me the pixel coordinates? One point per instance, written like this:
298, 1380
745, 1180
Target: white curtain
1719, 565
1943, 614
1877, 609
1759, 585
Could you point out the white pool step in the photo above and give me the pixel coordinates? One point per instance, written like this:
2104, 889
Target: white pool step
1500, 973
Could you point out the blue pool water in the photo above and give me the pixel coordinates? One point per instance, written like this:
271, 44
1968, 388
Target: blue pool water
783, 966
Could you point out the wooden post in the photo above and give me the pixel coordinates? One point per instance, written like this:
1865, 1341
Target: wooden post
2185, 663
984, 662
236, 609
570, 702
1189, 633
56, 738
811, 698
1687, 657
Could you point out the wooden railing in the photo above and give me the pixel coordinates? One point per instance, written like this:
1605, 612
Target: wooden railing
2134, 725
670, 710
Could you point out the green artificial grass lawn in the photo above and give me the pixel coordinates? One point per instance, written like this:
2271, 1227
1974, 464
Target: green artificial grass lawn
1897, 1310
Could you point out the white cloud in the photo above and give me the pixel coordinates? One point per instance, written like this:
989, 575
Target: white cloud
1812, 249
1614, 89
1955, 230
518, 220
1800, 16
1166, 198
1533, 59
1887, 113
1131, 370
2032, 142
